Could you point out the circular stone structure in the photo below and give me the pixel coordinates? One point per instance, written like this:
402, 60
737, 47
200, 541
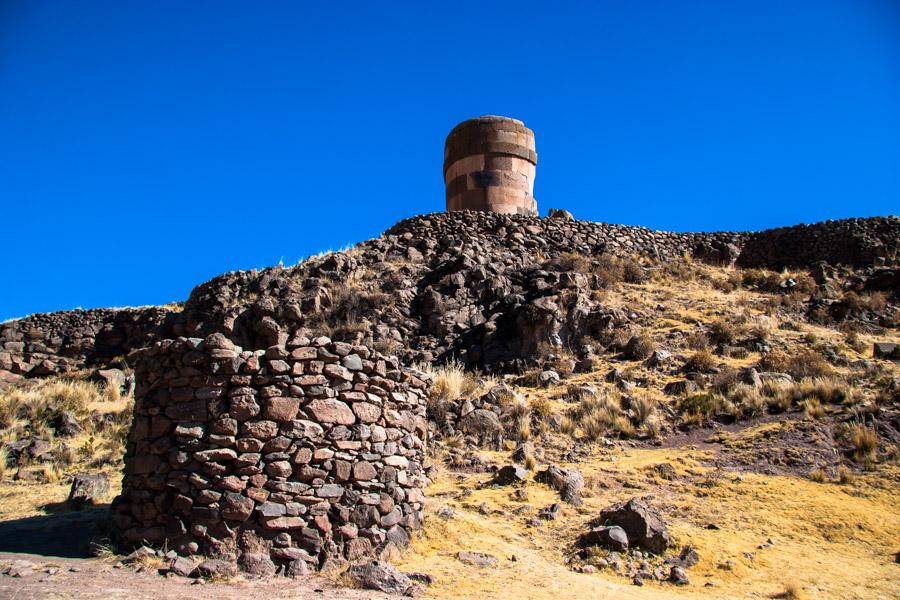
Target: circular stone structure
489, 165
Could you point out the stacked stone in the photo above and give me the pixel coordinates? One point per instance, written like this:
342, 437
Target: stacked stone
489, 165
52, 343
857, 242
306, 451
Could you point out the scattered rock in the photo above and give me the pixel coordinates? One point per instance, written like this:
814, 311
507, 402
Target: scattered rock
510, 475
65, 424
613, 537
886, 350
181, 566
215, 567
376, 575
549, 513
477, 559
568, 482
548, 378
679, 576
642, 523
88, 489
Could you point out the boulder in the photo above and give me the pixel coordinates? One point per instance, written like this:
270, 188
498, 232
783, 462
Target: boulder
510, 475
65, 424
477, 559
88, 489
548, 378
110, 378
215, 567
613, 537
380, 576
561, 214
484, 424
642, 523
886, 350
568, 482
679, 576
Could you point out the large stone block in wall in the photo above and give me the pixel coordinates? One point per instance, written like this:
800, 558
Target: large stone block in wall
305, 452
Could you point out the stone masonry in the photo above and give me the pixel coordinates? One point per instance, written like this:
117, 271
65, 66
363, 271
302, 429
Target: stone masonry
489, 165
307, 451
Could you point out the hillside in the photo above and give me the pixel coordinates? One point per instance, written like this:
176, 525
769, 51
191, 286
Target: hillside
744, 385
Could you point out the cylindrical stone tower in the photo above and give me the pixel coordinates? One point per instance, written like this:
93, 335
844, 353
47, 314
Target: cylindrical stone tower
489, 165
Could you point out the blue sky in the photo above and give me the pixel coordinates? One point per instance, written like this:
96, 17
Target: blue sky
146, 147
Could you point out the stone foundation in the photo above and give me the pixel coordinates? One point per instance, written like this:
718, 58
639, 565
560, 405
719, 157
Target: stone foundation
306, 451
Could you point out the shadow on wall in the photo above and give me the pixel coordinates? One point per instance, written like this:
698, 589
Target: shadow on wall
66, 535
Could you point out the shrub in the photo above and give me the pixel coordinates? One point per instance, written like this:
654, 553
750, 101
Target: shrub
632, 271
643, 407
701, 361
865, 443
697, 341
639, 347
845, 475
808, 364
452, 381
569, 261
702, 405
818, 475
812, 408
748, 399
597, 415
723, 333
608, 269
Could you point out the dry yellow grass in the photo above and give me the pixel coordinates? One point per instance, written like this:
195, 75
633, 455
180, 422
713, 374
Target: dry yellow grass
835, 541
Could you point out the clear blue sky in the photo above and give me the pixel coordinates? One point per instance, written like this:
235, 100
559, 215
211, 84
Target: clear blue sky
146, 146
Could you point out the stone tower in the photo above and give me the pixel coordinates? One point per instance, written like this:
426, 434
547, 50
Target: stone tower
489, 165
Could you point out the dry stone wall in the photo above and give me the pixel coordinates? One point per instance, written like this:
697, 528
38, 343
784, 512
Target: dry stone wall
51, 343
307, 451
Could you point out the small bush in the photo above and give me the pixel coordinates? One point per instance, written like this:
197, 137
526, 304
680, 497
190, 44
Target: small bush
748, 399
845, 475
812, 408
596, 416
723, 333
818, 475
865, 443
643, 407
697, 341
639, 347
569, 261
653, 426
808, 364
701, 361
608, 269
452, 382
702, 405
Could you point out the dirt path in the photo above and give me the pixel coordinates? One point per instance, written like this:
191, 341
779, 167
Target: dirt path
52, 578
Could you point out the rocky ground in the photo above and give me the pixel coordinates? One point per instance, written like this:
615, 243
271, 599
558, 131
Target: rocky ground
753, 414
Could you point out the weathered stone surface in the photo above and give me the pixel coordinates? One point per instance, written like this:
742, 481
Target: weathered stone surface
331, 412
477, 559
224, 485
380, 576
613, 537
642, 523
568, 482
88, 488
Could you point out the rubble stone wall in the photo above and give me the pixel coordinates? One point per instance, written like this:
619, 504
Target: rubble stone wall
304, 451
50, 343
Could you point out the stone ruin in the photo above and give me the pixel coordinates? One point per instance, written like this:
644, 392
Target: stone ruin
489, 165
278, 459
